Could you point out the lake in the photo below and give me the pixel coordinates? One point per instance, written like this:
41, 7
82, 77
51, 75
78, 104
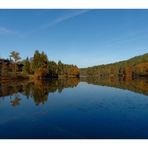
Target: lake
74, 109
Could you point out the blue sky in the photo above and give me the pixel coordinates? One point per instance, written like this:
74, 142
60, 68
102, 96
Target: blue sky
81, 37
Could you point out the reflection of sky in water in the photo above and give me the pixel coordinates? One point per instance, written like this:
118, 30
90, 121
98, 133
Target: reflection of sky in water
85, 111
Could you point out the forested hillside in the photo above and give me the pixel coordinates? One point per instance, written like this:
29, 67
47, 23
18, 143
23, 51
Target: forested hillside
128, 69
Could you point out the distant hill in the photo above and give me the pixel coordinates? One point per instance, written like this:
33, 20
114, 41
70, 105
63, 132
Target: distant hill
131, 68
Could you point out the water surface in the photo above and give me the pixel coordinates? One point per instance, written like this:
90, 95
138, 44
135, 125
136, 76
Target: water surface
73, 108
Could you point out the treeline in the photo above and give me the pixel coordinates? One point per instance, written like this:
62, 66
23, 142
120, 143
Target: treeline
129, 69
41, 67
38, 67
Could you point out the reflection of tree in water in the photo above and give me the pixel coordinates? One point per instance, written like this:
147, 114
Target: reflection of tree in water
39, 90
66, 83
39, 95
15, 101
27, 88
11, 89
139, 85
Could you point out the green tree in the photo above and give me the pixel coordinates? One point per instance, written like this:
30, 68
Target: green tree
43, 60
27, 66
52, 69
60, 68
35, 61
40, 60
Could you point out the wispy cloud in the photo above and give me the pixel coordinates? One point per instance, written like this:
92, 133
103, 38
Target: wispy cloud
4, 30
57, 20
64, 18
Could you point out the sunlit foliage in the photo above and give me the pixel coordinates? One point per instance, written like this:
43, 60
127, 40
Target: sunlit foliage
132, 68
36, 67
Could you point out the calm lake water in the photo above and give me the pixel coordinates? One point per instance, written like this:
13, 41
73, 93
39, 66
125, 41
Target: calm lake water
73, 108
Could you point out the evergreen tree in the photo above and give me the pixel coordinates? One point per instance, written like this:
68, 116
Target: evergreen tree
40, 60
60, 68
36, 61
52, 69
27, 66
43, 60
